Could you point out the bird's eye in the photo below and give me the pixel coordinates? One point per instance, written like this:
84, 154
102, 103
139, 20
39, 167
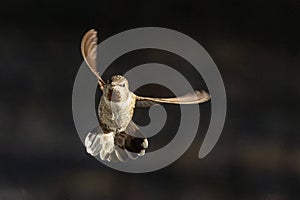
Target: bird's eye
123, 85
109, 81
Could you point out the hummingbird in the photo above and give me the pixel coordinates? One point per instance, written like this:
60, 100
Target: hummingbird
118, 138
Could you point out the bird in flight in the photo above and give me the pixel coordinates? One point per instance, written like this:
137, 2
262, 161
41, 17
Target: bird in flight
118, 138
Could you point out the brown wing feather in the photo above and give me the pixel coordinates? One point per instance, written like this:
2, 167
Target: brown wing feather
89, 53
144, 104
190, 98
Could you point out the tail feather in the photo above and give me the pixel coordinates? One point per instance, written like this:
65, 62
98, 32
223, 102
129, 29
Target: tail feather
131, 143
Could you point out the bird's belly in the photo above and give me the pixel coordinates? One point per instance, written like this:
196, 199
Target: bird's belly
115, 115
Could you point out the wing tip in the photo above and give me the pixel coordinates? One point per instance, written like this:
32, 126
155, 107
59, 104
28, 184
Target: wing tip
92, 33
92, 30
203, 95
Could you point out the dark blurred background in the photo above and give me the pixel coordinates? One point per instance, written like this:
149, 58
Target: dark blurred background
255, 45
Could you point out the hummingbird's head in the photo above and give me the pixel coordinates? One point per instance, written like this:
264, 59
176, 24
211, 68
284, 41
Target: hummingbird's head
116, 89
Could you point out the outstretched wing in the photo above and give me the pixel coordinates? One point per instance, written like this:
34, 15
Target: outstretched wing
190, 98
89, 53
